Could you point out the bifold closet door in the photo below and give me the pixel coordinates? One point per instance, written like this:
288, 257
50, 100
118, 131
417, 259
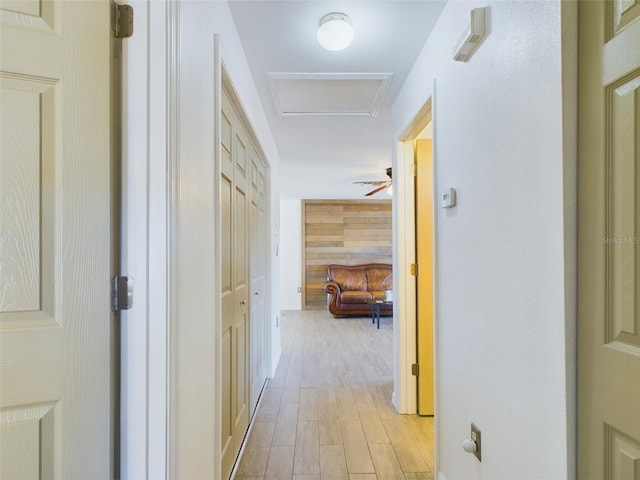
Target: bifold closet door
234, 204
259, 251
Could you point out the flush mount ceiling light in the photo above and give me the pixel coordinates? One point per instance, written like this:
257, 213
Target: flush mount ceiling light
335, 31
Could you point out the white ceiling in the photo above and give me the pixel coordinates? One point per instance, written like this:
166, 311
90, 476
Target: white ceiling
322, 155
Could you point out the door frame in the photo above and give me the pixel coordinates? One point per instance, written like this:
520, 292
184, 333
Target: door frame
404, 228
148, 133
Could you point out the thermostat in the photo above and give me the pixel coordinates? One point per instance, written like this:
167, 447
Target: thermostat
448, 198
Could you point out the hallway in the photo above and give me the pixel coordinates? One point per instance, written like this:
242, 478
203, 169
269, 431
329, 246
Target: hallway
327, 414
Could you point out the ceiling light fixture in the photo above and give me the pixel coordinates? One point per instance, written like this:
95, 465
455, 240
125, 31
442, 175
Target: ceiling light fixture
335, 31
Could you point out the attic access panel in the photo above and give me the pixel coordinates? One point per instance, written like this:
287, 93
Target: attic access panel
297, 94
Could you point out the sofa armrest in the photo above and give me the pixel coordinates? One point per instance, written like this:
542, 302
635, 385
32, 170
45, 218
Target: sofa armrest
332, 287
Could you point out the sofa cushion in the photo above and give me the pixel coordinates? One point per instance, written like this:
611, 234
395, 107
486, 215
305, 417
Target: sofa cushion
378, 294
350, 279
379, 279
355, 296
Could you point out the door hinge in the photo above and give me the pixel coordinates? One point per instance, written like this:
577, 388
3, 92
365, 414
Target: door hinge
414, 169
122, 21
415, 370
413, 269
121, 293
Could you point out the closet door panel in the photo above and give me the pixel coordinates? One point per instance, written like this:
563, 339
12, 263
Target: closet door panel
258, 241
244, 268
227, 295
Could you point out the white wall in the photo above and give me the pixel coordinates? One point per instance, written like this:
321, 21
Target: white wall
290, 254
195, 410
505, 139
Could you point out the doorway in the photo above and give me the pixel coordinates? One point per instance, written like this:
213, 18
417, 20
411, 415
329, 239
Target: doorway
415, 234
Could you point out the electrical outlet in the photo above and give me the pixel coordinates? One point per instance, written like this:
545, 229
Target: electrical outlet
475, 436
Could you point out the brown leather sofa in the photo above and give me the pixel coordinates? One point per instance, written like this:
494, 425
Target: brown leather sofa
349, 287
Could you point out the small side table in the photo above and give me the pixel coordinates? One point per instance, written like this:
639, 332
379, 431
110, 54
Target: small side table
376, 305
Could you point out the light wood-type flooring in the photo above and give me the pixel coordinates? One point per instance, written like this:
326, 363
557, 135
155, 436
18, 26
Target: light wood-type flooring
327, 413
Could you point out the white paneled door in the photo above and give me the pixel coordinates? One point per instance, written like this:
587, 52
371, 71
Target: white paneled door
609, 250
244, 270
258, 267
57, 374
234, 233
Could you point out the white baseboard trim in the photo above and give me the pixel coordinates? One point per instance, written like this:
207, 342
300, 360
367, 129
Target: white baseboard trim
441, 476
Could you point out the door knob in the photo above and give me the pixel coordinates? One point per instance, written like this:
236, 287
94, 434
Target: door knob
243, 302
256, 293
473, 444
470, 446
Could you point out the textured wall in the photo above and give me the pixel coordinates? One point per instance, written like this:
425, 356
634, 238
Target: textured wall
290, 252
194, 416
505, 256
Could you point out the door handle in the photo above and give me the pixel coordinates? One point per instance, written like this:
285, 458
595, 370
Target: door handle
243, 302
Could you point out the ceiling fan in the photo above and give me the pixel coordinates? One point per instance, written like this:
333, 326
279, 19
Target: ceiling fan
379, 184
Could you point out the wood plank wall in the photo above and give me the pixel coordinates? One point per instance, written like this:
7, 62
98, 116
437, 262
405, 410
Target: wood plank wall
346, 232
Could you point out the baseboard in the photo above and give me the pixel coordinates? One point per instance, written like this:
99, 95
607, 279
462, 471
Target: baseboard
441, 476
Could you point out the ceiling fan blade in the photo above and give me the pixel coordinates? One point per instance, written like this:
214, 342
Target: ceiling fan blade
372, 182
379, 189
